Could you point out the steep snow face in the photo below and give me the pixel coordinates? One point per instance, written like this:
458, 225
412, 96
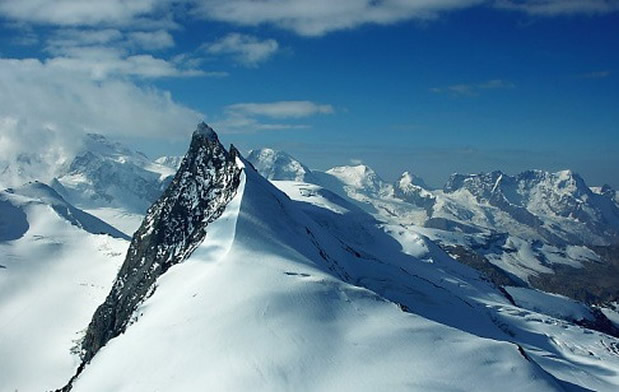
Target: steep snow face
263, 304
107, 174
174, 226
55, 269
277, 165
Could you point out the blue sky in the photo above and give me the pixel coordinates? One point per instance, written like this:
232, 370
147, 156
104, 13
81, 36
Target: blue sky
432, 87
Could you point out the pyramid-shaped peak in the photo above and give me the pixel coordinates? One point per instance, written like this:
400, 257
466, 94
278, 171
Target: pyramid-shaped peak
204, 130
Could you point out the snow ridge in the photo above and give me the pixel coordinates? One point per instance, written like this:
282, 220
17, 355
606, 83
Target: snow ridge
174, 226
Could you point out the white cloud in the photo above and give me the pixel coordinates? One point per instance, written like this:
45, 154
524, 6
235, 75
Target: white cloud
475, 88
103, 62
251, 117
560, 7
82, 13
111, 52
153, 40
62, 39
318, 17
281, 109
305, 17
71, 38
246, 49
44, 108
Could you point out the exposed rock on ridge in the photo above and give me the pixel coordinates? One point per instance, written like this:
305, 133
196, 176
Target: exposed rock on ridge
172, 229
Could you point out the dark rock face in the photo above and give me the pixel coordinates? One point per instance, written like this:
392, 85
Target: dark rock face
173, 228
13, 221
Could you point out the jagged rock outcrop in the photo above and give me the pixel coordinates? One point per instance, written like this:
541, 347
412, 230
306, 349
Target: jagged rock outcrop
172, 229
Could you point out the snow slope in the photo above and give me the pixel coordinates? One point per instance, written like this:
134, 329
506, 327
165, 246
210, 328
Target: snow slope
55, 268
436, 287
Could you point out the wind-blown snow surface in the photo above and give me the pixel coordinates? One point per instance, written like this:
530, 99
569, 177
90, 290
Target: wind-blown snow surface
253, 309
54, 271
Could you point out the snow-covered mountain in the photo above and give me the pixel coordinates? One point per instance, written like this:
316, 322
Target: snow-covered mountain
533, 228
333, 280
102, 177
107, 174
279, 165
558, 207
57, 263
233, 284
171, 161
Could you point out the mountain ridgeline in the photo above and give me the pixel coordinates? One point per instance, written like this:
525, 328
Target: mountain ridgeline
173, 227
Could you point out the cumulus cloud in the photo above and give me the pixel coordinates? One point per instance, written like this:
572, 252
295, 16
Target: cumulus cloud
83, 13
245, 49
474, 88
251, 117
45, 108
111, 52
153, 40
103, 62
64, 38
323, 16
43, 93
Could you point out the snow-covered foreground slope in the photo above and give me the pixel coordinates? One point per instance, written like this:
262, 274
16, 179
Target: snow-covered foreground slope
54, 270
434, 286
312, 293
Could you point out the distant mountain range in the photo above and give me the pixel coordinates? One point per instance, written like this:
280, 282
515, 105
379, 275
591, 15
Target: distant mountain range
519, 229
